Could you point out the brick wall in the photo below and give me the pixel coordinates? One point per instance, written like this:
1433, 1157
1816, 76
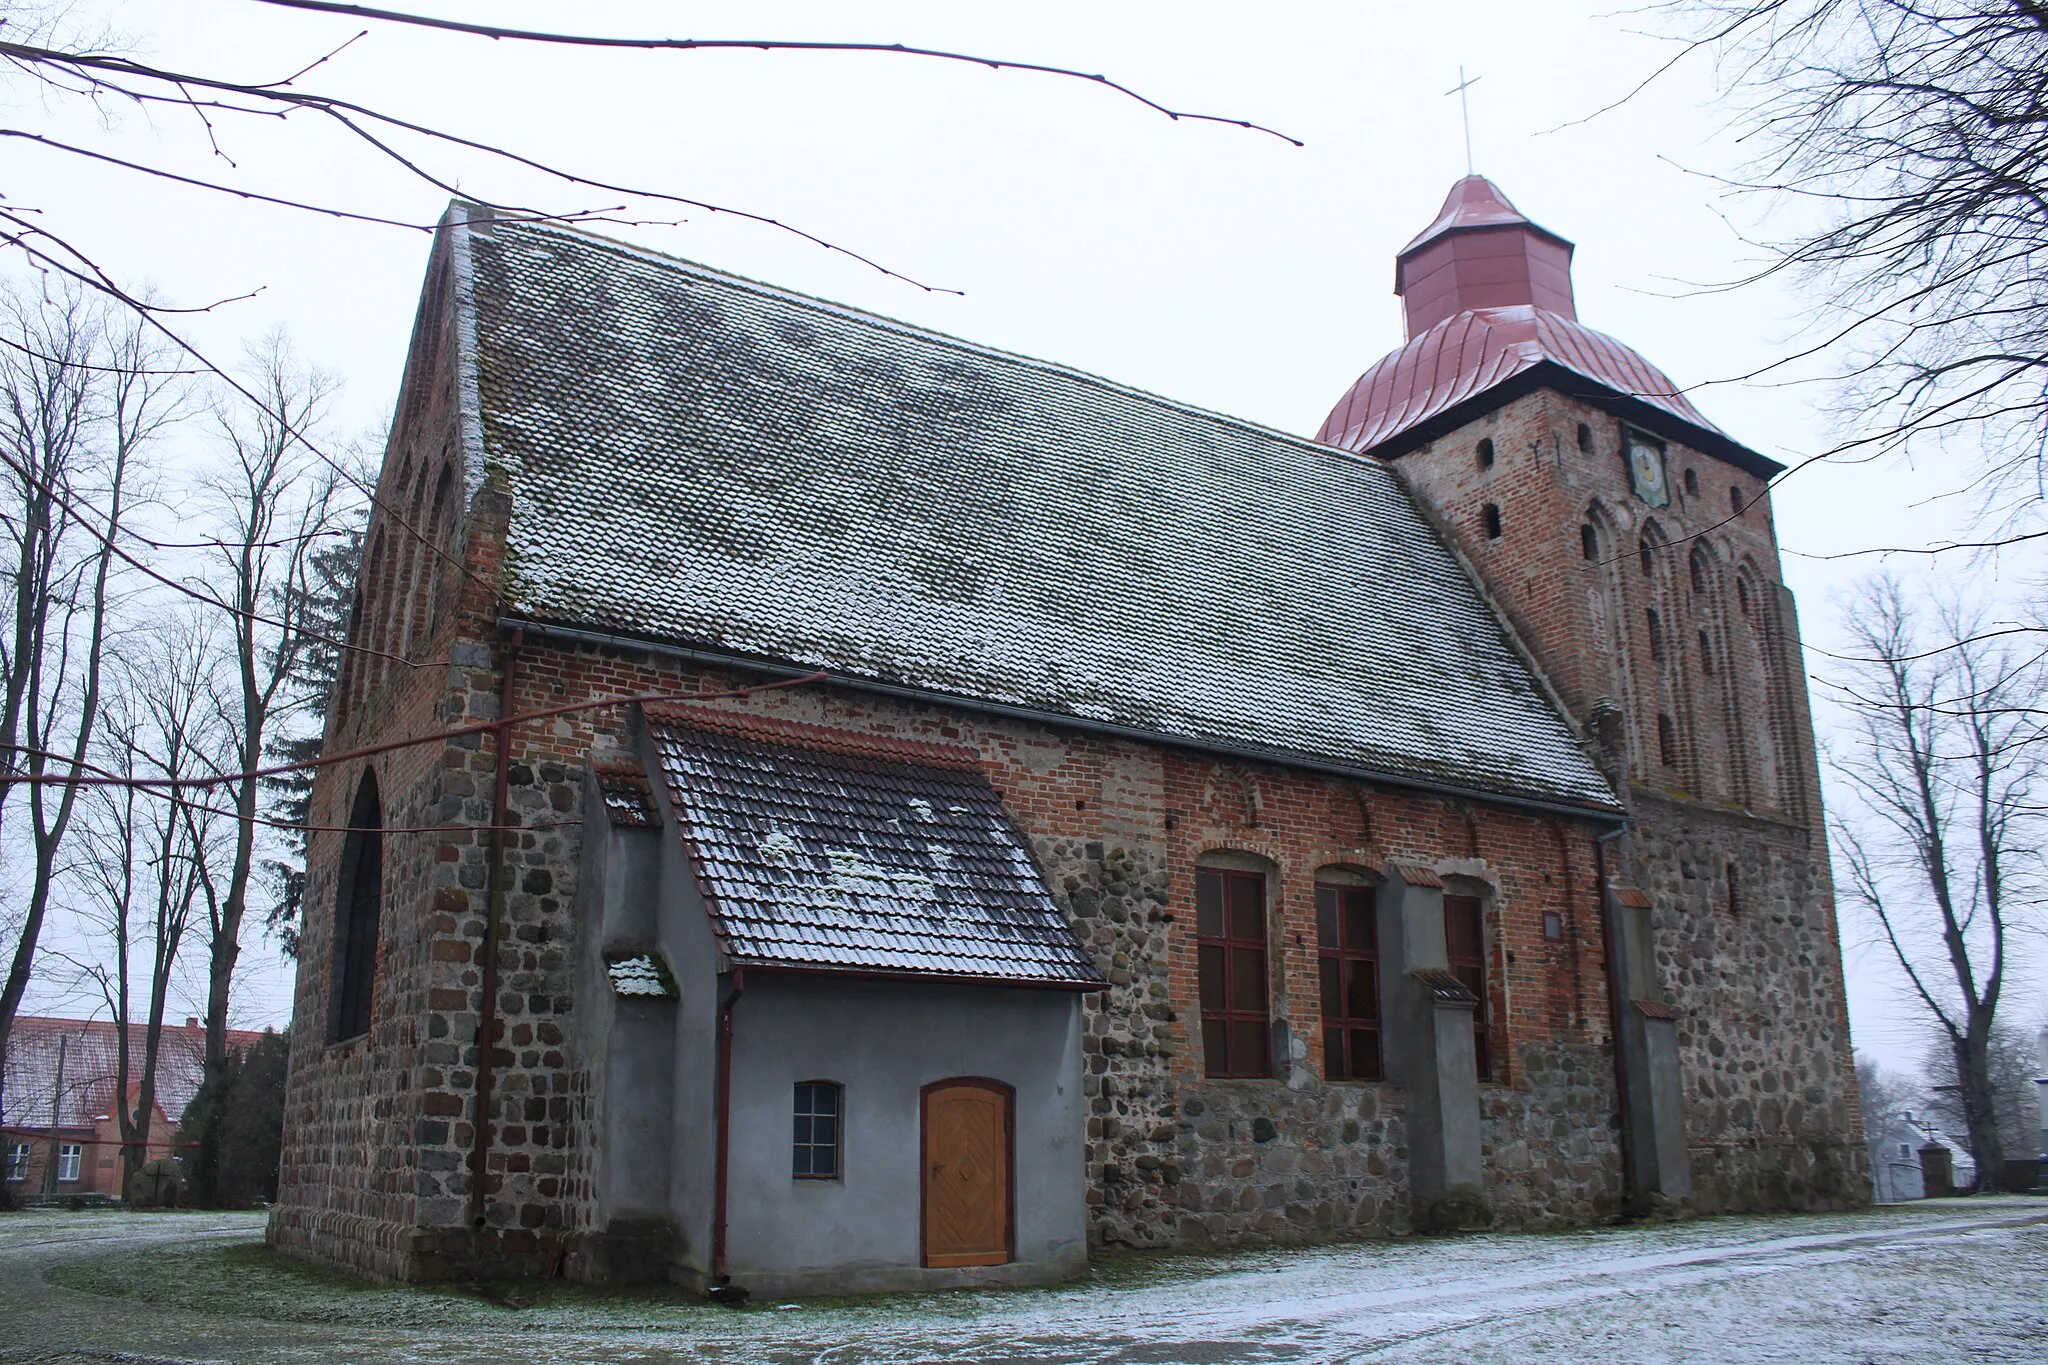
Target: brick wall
1734, 819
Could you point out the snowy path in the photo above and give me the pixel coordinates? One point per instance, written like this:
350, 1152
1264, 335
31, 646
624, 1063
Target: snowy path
1949, 1281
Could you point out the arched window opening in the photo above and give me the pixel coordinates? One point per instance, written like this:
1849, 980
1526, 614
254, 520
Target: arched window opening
1742, 594
1667, 742
1348, 963
431, 549
1699, 575
1692, 483
1656, 625
1643, 556
1490, 515
1585, 438
1735, 498
1706, 655
1230, 950
358, 908
1589, 542
1465, 951
1486, 452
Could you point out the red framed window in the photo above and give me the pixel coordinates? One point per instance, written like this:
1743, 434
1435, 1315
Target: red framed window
1465, 943
1230, 943
1348, 956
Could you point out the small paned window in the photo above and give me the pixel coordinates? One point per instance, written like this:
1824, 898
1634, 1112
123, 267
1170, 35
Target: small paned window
1486, 453
1553, 926
1490, 514
1656, 626
1348, 958
1465, 947
1585, 438
69, 1158
1735, 499
1230, 943
1643, 556
17, 1161
815, 1153
1692, 483
1905, 1149
1589, 542
1706, 655
1667, 742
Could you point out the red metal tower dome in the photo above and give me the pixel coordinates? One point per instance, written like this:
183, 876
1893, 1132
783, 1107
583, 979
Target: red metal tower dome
1487, 296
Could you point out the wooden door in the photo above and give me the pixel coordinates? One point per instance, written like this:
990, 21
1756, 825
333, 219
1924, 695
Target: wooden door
967, 1161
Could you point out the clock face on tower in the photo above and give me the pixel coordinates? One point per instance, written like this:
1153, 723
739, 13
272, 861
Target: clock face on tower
1646, 470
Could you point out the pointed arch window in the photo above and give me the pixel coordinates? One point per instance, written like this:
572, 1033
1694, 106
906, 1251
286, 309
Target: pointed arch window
1667, 742
1589, 542
358, 909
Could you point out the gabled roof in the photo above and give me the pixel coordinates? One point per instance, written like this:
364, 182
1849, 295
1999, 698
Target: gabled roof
88, 1051
840, 853
710, 462
1423, 389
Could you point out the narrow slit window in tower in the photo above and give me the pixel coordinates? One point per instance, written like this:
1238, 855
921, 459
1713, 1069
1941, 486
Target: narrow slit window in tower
1490, 514
1589, 542
1667, 742
1486, 452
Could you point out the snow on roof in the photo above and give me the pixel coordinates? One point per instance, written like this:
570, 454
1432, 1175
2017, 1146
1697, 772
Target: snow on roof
90, 1058
859, 859
701, 459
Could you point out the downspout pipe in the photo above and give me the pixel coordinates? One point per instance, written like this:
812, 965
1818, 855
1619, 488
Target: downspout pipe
1617, 1005
725, 1005
494, 919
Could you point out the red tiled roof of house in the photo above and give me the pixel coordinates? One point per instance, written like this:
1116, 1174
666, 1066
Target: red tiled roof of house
90, 1051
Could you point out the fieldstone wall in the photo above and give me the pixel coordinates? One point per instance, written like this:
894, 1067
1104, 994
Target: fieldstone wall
1755, 968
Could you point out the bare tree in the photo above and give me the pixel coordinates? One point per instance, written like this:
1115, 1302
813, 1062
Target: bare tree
1906, 141
81, 398
274, 503
1940, 836
142, 852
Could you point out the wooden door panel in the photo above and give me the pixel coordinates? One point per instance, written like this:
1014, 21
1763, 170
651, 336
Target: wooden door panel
966, 1174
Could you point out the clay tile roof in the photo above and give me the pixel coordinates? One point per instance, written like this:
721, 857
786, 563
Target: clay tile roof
702, 460
1631, 897
1415, 874
90, 1056
852, 856
628, 800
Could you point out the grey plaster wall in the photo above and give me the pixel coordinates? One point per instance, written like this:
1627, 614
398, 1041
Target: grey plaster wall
884, 1041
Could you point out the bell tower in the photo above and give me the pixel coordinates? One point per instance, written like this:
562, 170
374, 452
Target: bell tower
1629, 543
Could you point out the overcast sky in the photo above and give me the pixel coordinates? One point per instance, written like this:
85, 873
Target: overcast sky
1208, 263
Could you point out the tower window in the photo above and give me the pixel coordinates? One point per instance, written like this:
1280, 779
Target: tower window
1699, 576
1742, 594
1692, 484
1734, 896
1585, 438
1490, 515
1486, 452
1656, 624
1667, 742
1706, 655
1643, 556
1589, 541
1735, 498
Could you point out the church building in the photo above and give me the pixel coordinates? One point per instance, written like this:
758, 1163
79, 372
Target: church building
889, 813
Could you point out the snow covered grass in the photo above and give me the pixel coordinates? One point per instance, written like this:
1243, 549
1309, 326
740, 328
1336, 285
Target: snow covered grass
1940, 1281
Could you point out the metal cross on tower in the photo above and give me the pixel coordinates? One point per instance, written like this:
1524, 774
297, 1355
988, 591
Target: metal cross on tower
1465, 111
